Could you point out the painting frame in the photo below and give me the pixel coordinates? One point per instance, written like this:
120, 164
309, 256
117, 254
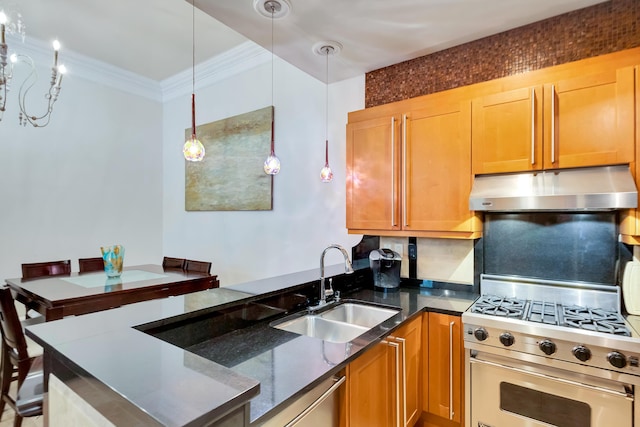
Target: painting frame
231, 176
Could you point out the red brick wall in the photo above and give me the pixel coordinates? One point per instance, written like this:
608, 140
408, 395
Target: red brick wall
592, 31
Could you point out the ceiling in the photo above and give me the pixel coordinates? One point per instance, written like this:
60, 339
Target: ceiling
153, 38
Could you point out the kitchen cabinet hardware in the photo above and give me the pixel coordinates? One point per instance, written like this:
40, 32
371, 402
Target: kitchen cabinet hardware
451, 413
303, 416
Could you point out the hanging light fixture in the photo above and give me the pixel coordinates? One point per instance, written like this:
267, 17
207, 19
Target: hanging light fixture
193, 149
272, 9
12, 24
326, 48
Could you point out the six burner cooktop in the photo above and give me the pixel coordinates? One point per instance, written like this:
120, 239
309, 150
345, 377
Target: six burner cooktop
572, 316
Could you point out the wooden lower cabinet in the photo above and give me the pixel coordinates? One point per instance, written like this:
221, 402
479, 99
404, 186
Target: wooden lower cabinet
372, 389
442, 370
383, 385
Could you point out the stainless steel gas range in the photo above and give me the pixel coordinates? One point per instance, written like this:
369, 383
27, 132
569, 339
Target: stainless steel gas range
550, 353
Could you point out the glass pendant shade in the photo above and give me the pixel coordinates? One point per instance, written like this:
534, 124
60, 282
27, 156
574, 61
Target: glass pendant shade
272, 164
193, 149
326, 175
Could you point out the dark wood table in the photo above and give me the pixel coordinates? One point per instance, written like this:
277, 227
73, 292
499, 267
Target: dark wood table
80, 293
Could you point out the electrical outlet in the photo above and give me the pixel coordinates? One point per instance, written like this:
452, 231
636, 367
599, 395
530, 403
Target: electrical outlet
399, 248
413, 251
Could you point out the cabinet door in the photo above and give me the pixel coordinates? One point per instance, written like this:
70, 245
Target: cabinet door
410, 336
373, 164
436, 170
507, 131
589, 120
372, 393
445, 365
630, 225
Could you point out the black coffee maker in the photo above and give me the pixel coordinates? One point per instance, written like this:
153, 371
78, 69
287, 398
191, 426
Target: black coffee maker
385, 265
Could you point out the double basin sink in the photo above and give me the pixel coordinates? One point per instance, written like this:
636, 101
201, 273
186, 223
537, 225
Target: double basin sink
339, 324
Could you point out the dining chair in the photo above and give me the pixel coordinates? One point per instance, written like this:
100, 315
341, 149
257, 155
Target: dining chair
42, 269
18, 365
50, 268
91, 264
175, 263
197, 266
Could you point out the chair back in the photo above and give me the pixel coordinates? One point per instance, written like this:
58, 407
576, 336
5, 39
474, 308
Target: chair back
197, 266
176, 263
51, 268
12, 333
91, 264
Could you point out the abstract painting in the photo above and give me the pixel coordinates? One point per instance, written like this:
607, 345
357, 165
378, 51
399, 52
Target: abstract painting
231, 175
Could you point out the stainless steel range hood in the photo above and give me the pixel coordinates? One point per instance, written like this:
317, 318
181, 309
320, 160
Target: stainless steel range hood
595, 188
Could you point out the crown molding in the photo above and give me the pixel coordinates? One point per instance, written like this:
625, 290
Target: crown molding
79, 65
241, 58
234, 61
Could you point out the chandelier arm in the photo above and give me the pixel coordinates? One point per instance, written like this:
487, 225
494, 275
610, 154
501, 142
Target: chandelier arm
25, 87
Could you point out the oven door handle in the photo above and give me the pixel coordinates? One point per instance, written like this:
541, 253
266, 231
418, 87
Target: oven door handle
553, 378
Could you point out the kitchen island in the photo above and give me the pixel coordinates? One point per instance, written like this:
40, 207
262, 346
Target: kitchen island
112, 360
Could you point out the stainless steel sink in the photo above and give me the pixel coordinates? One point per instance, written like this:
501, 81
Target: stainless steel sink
340, 324
359, 314
328, 330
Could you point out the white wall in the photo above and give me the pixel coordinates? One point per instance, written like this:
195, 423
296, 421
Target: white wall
92, 177
307, 214
109, 169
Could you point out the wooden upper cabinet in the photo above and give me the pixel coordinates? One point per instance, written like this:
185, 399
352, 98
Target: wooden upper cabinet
410, 172
589, 120
586, 120
630, 224
373, 179
436, 179
507, 131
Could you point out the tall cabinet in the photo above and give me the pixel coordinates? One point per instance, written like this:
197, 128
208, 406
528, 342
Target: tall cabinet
408, 170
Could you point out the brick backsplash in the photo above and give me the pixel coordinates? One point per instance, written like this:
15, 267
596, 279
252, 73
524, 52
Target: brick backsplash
603, 28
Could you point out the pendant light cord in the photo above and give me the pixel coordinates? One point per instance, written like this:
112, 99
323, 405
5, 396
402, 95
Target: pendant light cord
273, 151
193, 69
326, 113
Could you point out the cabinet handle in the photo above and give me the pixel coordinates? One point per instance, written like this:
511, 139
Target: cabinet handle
404, 169
451, 324
404, 379
393, 170
318, 401
396, 346
533, 126
553, 124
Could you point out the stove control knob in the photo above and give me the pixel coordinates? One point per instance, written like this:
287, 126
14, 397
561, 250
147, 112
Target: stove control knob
547, 347
617, 359
481, 334
581, 353
506, 339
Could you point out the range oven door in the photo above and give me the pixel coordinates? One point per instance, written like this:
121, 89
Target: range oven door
507, 392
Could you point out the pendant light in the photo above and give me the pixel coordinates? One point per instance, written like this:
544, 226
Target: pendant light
326, 49
193, 149
281, 8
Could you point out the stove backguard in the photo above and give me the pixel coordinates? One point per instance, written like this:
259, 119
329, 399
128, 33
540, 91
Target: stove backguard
552, 245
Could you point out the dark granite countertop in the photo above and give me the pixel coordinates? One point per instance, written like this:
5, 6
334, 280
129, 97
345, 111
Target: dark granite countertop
204, 379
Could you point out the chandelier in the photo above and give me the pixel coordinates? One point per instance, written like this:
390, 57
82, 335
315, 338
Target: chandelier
7, 64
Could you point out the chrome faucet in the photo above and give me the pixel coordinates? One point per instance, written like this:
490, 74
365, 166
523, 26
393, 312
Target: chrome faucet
348, 268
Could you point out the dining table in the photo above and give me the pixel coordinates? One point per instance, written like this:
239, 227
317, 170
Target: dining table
74, 294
